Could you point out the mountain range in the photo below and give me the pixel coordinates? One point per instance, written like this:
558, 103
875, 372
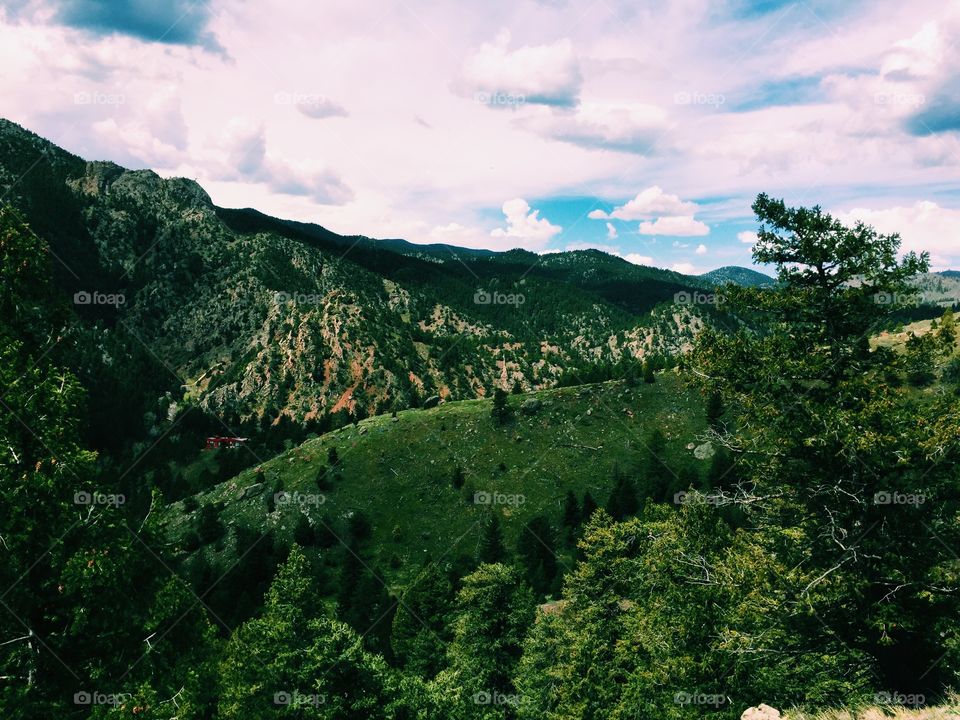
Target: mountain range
179, 303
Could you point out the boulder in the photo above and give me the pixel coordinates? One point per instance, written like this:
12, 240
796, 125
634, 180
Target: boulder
431, 402
252, 491
705, 451
530, 406
761, 712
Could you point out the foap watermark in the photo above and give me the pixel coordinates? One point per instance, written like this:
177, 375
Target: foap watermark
299, 298
500, 99
95, 297
914, 700
494, 697
694, 498
294, 698
288, 97
893, 497
495, 297
714, 700
891, 299
83, 497
698, 298
686, 97
95, 697
98, 98
482, 497
900, 98
299, 498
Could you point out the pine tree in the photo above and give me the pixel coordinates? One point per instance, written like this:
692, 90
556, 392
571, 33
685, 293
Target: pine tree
714, 407
491, 548
303, 533
648, 376
536, 550
419, 636
589, 506
571, 510
622, 502
494, 608
501, 409
294, 649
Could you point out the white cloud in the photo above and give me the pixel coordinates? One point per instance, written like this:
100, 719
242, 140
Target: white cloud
925, 225
625, 127
638, 259
701, 249
247, 160
608, 102
611, 231
525, 224
647, 204
685, 268
538, 74
319, 107
675, 225
460, 235
747, 236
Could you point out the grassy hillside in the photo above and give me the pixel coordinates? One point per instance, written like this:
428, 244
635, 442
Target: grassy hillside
948, 711
399, 470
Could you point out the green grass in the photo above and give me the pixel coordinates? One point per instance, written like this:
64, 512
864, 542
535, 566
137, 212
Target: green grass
898, 340
949, 710
399, 471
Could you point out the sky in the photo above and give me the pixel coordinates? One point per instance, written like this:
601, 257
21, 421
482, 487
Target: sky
642, 129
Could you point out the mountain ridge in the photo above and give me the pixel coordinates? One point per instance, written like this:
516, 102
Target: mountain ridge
247, 317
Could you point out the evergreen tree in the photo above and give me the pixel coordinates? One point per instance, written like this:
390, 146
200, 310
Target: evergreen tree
491, 548
822, 423
536, 550
494, 608
714, 408
571, 514
419, 636
648, 376
303, 533
501, 409
589, 506
658, 477
296, 661
622, 502
209, 527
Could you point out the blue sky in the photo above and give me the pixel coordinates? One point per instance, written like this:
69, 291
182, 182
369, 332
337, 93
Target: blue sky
644, 129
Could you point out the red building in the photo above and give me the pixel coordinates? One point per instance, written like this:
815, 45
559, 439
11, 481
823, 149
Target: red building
220, 441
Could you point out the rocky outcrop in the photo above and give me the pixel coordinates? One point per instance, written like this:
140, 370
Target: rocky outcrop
761, 712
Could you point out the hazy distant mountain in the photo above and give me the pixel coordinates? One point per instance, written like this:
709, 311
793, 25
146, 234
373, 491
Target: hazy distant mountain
739, 276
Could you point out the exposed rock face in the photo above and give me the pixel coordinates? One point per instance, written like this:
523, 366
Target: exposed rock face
530, 406
255, 317
252, 491
761, 712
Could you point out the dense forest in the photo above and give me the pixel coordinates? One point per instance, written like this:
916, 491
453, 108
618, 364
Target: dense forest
811, 561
